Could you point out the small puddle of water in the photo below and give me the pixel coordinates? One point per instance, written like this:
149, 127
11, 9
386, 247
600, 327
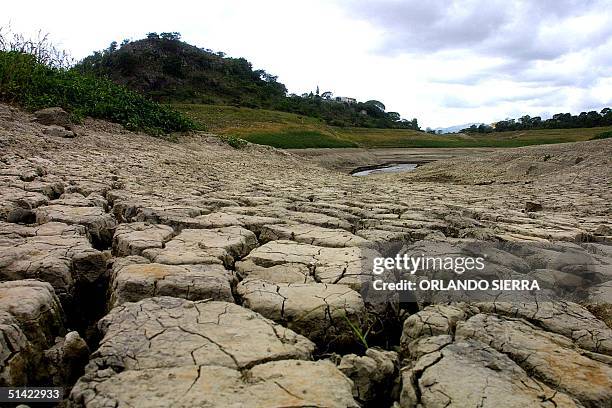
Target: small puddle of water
385, 168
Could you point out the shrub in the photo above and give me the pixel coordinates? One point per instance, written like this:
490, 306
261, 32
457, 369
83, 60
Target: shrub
235, 142
34, 86
602, 135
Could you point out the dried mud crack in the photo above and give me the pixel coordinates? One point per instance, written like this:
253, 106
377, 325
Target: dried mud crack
141, 272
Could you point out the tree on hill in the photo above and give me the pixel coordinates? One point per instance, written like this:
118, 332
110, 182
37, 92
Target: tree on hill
394, 116
173, 36
168, 69
377, 104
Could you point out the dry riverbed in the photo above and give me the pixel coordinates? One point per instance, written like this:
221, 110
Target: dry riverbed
348, 159
142, 272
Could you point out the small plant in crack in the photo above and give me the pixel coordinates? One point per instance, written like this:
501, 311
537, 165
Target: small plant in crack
358, 332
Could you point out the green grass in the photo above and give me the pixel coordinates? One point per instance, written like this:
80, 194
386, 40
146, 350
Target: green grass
224, 119
376, 138
287, 130
266, 127
33, 85
298, 139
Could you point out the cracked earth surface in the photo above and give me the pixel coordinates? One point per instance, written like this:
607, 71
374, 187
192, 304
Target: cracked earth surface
142, 272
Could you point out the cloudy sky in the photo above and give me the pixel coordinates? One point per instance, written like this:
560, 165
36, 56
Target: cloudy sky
444, 62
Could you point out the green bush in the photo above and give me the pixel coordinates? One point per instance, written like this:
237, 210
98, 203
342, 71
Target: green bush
602, 135
35, 86
235, 142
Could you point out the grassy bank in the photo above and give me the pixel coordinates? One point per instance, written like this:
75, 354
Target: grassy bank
374, 138
290, 131
272, 128
33, 85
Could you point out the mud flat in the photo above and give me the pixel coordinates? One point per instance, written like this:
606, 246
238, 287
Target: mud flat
190, 273
348, 159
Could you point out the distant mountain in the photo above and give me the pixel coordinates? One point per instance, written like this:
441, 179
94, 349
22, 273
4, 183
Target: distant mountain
456, 128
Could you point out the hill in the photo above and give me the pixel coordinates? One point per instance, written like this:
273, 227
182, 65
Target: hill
167, 69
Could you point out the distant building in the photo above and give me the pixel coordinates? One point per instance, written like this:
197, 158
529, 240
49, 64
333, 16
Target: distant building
345, 99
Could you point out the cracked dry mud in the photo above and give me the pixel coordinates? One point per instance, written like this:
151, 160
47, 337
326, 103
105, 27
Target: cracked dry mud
141, 272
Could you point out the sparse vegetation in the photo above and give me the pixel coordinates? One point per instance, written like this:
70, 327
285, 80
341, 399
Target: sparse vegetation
235, 142
359, 334
39, 46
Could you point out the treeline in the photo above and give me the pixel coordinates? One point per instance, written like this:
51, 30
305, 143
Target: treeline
557, 121
169, 70
370, 114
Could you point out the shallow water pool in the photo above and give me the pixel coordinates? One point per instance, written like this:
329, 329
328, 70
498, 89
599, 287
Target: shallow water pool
385, 168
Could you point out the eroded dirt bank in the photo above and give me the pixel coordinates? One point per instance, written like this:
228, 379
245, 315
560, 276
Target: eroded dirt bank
191, 273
